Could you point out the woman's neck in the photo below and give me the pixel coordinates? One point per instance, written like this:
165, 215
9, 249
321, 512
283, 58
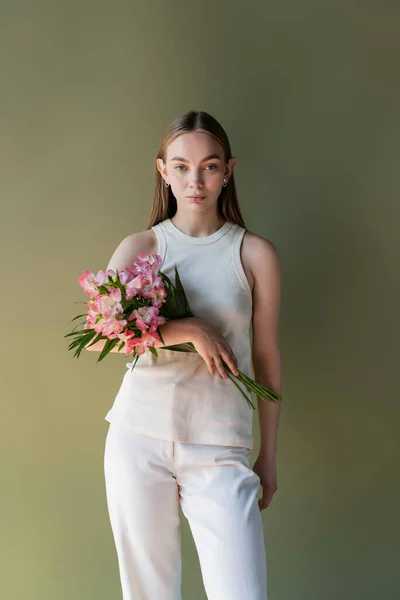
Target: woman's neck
198, 226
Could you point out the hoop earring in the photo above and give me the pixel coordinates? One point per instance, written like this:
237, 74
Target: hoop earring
166, 184
225, 183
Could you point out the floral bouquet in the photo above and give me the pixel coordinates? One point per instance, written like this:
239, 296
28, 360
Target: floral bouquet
128, 307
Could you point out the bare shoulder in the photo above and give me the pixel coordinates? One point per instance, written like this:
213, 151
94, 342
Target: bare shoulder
143, 239
258, 255
264, 261
258, 246
132, 245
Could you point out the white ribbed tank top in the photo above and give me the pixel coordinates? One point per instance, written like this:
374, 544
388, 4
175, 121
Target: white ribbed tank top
174, 397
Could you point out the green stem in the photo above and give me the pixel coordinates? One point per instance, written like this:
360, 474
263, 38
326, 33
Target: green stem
249, 402
259, 390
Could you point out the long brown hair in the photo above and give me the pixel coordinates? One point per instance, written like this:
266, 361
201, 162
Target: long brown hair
164, 202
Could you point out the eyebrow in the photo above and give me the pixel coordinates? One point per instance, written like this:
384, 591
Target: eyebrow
209, 157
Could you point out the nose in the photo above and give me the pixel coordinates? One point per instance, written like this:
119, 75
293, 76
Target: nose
196, 179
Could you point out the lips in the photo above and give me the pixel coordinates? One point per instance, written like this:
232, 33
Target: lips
198, 197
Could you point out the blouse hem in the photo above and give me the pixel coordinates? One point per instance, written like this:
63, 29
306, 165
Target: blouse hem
238, 441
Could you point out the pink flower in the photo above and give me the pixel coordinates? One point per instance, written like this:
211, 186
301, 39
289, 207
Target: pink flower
128, 273
91, 282
101, 277
106, 306
115, 294
126, 335
144, 316
134, 287
124, 276
158, 293
141, 344
106, 315
149, 283
111, 273
144, 269
145, 260
113, 327
129, 346
88, 282
156, 322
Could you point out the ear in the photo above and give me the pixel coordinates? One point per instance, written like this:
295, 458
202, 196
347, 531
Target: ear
161, 167
229, 167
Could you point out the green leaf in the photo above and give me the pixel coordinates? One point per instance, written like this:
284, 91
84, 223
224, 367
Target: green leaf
182, 303
108, 346
166, 280
80, 332
78, 317
98, 337
168, 306
80, 346
161, 337
175, 348
81, 323
83, 340
76, 342
134, 361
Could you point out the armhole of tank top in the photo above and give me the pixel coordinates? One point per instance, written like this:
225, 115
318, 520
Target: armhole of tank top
161, 242
237, 262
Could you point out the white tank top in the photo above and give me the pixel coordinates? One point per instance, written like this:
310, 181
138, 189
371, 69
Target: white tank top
173, 396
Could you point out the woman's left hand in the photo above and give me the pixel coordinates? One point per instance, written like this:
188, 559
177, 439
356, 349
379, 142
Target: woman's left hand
266, 470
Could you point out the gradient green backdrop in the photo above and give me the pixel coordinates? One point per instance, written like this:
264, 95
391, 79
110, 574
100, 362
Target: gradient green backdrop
309, 95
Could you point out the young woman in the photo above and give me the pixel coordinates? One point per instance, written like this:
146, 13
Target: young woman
180, 431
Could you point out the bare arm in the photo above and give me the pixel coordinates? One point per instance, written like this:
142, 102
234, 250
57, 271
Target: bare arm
174, 332
265, 351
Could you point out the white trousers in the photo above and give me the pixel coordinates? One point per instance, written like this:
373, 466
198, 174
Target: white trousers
146, 480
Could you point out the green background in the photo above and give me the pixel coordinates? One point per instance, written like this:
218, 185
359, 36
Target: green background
308, 93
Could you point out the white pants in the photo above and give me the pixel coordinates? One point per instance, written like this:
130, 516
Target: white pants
146, 479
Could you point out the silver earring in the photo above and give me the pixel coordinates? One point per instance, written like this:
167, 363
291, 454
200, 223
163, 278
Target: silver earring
225, 183
166, 184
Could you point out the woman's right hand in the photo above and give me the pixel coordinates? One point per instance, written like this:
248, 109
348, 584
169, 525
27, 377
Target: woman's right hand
212, 346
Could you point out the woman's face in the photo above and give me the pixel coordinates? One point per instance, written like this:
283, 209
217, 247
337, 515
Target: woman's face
195, 167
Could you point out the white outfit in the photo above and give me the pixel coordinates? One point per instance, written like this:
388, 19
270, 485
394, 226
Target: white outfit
179, 435
173, 396
146, 479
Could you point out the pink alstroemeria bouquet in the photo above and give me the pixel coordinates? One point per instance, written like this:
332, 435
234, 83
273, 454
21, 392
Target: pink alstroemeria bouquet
128, 307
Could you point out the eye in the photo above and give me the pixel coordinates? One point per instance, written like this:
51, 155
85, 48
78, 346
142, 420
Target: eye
177, 167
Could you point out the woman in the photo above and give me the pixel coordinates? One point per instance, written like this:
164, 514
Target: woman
180, 431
